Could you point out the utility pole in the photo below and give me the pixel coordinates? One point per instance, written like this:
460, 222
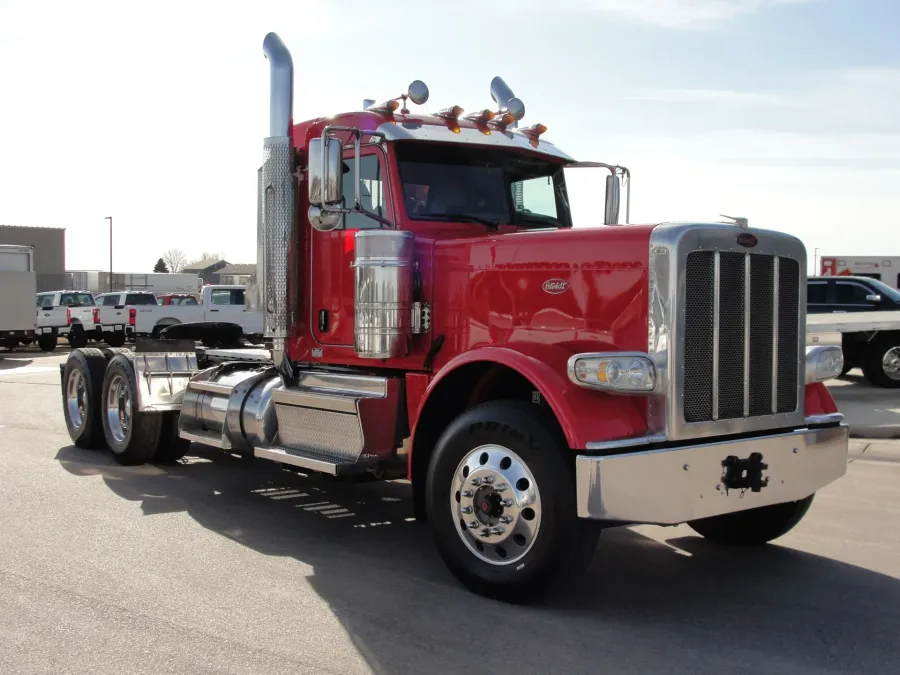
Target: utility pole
109, 218
815, 258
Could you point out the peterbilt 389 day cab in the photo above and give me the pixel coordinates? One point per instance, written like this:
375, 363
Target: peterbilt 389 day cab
431, 314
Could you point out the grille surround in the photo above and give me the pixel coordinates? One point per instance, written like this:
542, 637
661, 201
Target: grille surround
738, 356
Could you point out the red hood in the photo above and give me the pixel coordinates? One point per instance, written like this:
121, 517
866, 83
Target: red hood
583, 288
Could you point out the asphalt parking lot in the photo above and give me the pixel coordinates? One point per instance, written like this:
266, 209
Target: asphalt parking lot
231, 566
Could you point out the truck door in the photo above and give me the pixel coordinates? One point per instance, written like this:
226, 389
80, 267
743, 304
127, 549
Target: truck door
332, 278
225, 304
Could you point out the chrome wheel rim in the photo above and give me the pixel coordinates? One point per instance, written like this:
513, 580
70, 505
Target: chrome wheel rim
496, 504
76, 399
118, 408
891, 363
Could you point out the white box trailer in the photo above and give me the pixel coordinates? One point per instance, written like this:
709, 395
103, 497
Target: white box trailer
18, 285
884, 268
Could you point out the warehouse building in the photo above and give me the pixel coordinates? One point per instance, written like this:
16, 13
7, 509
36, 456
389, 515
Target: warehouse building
49, 252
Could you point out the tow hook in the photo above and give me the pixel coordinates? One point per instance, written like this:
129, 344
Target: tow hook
744, 474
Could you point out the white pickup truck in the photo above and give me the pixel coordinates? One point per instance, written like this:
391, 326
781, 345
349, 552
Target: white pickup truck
68, 313
18, 284
217, 303
869, 339
118, 315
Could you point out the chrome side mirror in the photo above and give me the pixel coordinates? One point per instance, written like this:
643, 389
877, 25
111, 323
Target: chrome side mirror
326, 183
613, 193
326, 173
873, 297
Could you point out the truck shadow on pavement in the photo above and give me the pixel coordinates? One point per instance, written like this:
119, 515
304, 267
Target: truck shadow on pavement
645, 606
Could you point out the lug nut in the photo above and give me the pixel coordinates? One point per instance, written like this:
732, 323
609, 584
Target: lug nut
466, 509
497, 530
506, 519
501, 487
488, 480
508, 502
467, 493
473, 524
485, 533
476, 481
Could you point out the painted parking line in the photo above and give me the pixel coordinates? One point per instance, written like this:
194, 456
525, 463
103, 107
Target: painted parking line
28, 370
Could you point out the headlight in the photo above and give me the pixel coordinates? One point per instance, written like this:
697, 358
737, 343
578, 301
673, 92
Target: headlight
615, 372
823, 362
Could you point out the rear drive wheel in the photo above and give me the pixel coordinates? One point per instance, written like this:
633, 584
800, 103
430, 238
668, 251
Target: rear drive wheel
754, 527
77, 337
171, 447
500, 495
47, 342
882, 365
114, 339
131, 434
82, 383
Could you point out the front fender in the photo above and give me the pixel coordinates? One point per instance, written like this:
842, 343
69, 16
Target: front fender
584, 415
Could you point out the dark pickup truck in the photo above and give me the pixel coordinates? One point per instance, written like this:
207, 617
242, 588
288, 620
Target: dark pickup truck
868, 345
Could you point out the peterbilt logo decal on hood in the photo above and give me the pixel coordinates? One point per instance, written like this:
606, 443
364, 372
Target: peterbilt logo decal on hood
556, 286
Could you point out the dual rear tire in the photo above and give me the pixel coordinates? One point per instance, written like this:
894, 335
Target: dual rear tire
100, 402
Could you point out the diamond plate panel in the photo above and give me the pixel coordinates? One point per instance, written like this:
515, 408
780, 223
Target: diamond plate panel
330, 435
277, 221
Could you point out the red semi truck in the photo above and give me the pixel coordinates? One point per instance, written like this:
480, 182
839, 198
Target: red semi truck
432, 315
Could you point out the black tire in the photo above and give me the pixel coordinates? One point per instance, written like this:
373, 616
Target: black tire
47, 342
89, 365
754, 527
847, 368
114, 339
77, 337
135, 441
171, 447
563, 544
873, 366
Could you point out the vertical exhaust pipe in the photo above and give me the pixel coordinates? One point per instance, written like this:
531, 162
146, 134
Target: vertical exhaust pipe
276, 205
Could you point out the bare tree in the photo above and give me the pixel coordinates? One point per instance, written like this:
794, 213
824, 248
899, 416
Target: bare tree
175, 259
211, 256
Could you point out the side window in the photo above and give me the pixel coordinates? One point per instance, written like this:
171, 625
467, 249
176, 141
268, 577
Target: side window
815, 293
227, 296
535, 196
851, 294
371, 193
45, 301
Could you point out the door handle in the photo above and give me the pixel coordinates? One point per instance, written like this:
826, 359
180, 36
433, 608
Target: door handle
213, 310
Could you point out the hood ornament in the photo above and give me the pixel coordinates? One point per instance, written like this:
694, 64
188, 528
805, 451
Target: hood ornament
737, 220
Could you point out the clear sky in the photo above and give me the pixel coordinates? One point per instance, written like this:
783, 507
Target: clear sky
783, 111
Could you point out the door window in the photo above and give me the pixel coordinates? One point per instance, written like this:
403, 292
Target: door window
852, 294
371, 193
227, 296
45, 301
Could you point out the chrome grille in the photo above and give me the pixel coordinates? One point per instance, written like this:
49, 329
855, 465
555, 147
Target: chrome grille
741, 326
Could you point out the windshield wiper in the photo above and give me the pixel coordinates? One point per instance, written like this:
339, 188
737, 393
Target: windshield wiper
464, 218
546, 221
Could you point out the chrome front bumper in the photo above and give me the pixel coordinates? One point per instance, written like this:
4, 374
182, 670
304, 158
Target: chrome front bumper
677, 485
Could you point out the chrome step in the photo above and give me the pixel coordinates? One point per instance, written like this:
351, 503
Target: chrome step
313, 461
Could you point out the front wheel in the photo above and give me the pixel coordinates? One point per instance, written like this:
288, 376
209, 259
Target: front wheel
500, 495
114, 339
77, 337
47, 342
753, 527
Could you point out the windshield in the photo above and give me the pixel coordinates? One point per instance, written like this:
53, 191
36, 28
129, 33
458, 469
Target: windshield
885, 290
492, 187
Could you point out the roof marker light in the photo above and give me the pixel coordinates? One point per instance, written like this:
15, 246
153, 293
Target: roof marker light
453, 113
485, 115
386, 107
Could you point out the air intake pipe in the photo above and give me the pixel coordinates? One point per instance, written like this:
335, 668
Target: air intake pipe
276, 205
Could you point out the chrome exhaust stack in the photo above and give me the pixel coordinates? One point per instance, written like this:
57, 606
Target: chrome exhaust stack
276, 207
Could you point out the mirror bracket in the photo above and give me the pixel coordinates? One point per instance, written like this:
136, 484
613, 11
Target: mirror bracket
327, 216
